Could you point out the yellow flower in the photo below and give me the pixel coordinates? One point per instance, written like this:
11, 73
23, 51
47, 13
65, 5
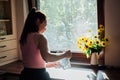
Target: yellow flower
84, 39
100, 31
89, 30
103, 44
89, 45
97, 42
79, 42
83, 49
101, 27
105, 39
95, 36
86, 46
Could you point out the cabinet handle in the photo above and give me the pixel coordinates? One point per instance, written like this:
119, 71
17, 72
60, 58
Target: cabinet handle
2, 38
3, 46
3, 57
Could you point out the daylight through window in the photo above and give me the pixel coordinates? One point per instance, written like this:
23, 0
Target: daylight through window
67, 20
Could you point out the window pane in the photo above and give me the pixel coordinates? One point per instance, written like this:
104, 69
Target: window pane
67, 20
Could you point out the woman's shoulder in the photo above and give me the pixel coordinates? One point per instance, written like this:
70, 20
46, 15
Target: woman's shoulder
39, 36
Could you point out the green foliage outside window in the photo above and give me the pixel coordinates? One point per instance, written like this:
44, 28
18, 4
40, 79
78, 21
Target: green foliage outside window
67, 20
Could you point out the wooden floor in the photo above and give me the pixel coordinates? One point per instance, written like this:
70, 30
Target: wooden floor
112, 73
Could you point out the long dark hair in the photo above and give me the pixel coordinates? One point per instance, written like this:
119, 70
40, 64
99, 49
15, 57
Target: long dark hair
30, 23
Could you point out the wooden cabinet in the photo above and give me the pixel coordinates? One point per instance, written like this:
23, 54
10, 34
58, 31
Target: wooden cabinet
8, 40
7, 45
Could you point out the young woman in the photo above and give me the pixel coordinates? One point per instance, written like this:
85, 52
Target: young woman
34, 48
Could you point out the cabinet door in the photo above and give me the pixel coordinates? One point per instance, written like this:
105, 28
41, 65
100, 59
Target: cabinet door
7, 20
8, 45
8, 55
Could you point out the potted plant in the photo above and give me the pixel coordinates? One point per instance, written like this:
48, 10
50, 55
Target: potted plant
92, 46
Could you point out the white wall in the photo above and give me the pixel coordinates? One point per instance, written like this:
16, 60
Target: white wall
112, 25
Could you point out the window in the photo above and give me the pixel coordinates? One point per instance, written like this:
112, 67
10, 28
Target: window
67, 20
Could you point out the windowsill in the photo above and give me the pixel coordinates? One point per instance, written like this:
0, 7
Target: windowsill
78, 71
70, 74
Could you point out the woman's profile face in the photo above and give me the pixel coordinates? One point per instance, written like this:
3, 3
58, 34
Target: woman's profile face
42, 26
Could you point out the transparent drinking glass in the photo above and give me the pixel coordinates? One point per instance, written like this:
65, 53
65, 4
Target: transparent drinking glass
65, 63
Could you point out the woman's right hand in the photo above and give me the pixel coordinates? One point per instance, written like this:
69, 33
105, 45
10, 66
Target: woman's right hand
68, 54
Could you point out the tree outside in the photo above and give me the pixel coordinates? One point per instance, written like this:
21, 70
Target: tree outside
67, 20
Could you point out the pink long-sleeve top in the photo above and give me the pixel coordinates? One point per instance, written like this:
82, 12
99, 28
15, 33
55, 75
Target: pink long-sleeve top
31, 54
